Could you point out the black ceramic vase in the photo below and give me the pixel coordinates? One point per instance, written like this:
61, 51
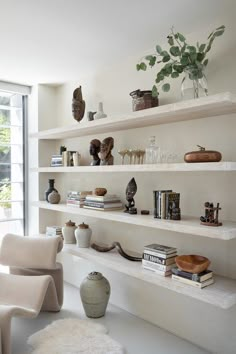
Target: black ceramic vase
50, 189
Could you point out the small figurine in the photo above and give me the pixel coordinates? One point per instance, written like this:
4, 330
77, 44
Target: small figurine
211, 215
131, 190
90, 115
78, 104
105, 151
94, 149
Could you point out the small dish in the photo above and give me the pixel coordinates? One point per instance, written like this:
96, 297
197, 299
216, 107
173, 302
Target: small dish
192, 263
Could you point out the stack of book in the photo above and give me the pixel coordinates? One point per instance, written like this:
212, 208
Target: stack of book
54, 231
105, 203
166, 204
56, 160
159, 258
77, 199
199, 280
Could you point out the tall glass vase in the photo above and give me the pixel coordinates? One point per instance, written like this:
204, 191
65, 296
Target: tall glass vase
194, 85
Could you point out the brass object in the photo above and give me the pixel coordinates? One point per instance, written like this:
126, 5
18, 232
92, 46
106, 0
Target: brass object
202, 155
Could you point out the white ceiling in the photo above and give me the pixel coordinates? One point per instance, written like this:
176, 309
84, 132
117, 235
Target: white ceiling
52, 41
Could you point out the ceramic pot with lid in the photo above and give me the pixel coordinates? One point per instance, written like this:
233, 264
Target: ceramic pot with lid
83, 235
95, 292
68, 232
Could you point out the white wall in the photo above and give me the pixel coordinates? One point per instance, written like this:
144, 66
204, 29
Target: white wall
203, 324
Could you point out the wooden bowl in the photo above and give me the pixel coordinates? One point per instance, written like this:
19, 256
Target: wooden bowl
192, 263
100, 191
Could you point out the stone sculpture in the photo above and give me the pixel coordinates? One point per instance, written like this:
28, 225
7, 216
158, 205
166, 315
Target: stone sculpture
105, 151
78, 104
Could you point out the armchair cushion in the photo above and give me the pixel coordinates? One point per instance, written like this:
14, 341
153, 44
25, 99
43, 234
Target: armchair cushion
30, 252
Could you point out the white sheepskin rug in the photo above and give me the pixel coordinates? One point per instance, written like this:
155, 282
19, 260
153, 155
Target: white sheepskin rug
73, 336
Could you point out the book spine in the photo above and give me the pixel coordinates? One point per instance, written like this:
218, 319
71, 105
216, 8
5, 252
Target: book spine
158, 260
159, 272
155, 203
160, 255
163, 205
163, 268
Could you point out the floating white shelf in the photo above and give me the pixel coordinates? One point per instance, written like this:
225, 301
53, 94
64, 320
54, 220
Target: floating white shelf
221, 294
215, 105
161, 167
188, 225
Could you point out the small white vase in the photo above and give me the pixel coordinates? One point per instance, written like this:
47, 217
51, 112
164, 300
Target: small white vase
83, 235
68, 232
100, 114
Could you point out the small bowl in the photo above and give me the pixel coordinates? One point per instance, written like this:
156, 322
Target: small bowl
192, 263
100, 191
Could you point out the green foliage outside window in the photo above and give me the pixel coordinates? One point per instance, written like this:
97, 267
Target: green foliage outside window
5, 194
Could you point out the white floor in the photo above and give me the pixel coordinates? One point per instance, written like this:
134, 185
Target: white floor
136, 335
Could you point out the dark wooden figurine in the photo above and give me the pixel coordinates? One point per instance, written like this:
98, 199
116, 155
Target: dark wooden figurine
78, 104
211, 215
94, 149
131, 190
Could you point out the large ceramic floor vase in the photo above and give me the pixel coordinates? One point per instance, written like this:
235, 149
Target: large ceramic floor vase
95, 293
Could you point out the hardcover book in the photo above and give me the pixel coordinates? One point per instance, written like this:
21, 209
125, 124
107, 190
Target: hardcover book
172, 200
103, 198
155, 266
196, 284
199, 277
160, 248
158, 202
159, 272
159, 260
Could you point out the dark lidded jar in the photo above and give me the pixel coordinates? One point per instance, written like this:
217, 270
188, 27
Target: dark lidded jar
143, 100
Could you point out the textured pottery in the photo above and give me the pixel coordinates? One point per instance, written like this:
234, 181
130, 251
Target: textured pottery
95, 292
68, 232
83, 235
54, 197
50, 188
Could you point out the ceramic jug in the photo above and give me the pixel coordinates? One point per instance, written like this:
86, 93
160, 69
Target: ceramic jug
83, 235
68, 232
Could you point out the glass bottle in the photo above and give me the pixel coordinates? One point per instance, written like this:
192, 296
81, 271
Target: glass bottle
50, 188
152, 151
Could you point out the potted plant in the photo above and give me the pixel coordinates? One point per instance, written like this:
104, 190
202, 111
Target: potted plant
5, 196
181, 58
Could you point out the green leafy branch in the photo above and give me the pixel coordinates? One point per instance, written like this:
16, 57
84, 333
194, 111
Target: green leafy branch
179, 57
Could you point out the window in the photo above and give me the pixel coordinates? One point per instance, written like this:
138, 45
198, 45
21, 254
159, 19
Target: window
12, 187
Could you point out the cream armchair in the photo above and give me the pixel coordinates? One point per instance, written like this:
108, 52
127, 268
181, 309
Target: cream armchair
35, 282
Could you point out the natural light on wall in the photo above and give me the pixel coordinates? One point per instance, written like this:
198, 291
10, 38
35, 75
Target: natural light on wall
11, 164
